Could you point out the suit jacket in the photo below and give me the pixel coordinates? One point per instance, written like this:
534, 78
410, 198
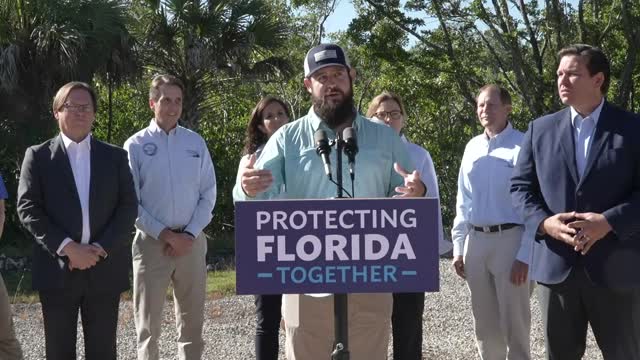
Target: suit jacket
546, 182
49, 208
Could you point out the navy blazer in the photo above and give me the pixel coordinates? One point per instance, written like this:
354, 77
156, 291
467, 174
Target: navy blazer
49, 208
546, 182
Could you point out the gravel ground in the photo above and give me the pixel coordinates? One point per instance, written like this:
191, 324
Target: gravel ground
229, 325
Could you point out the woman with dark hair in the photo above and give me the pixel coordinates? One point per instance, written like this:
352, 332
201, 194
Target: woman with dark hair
268, 116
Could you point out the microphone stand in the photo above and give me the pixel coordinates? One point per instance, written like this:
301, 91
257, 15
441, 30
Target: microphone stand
340, 148
340, 301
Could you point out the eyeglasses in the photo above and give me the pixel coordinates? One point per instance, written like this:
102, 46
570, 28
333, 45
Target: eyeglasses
77, 108
393, 115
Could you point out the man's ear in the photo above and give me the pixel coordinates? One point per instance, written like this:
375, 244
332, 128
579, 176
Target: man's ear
152, 104
307, 84
352, 73
599, 80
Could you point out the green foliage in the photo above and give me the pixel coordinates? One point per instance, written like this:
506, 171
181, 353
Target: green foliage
129, 109
44, 44
221, 283
206, 43
19, 287
223, 128
435, 54
460, 46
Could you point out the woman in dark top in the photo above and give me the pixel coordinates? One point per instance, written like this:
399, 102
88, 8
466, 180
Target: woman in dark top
268, 116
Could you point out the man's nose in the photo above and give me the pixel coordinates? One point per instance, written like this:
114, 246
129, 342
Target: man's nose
562, 79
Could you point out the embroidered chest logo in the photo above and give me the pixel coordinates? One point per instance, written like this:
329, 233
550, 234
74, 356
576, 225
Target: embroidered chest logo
193, 153
150, 149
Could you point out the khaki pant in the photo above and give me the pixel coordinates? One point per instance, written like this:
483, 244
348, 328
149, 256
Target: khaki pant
310, 331
152, 273
9, 345
502, 317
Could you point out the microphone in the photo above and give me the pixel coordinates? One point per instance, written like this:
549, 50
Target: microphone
350, 148
323, 149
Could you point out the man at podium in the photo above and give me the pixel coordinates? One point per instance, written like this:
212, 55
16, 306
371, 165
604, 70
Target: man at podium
289, 162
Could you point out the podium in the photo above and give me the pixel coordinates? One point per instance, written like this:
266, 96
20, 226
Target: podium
337, 246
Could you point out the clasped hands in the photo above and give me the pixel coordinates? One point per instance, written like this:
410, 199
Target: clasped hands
83, 256
255, 181
175, 243
579, 230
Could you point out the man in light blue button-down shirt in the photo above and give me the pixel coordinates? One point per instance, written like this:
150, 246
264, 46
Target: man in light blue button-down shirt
176, 186
490, 248
289, 162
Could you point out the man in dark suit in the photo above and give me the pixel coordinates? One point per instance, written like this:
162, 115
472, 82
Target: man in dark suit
577, 181
76, 197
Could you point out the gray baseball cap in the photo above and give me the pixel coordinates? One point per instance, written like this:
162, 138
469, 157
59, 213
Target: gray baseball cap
324, 55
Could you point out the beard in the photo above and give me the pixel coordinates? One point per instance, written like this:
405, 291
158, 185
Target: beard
334, 113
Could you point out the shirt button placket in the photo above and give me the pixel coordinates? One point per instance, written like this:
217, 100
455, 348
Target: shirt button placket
487, 172
169, 147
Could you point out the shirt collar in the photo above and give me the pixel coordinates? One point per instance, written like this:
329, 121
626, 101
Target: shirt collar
155, 129
595, 115
502, 134
86, 142
315, 119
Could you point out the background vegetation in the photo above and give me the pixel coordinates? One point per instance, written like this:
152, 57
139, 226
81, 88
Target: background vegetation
229, 53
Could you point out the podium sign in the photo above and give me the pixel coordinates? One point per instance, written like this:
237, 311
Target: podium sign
336, 246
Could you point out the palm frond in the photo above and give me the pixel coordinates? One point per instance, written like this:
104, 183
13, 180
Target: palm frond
60, 43
9, 72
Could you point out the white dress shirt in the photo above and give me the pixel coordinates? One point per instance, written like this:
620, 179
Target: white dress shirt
174, 179
80, 159
424, 165
583, 130
484, 197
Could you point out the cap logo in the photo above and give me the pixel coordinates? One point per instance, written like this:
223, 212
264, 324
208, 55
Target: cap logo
325, 54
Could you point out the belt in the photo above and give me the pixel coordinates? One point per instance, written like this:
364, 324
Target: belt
495, 228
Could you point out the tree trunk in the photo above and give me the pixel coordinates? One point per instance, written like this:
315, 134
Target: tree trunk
632, 34
461, 77
192, 98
